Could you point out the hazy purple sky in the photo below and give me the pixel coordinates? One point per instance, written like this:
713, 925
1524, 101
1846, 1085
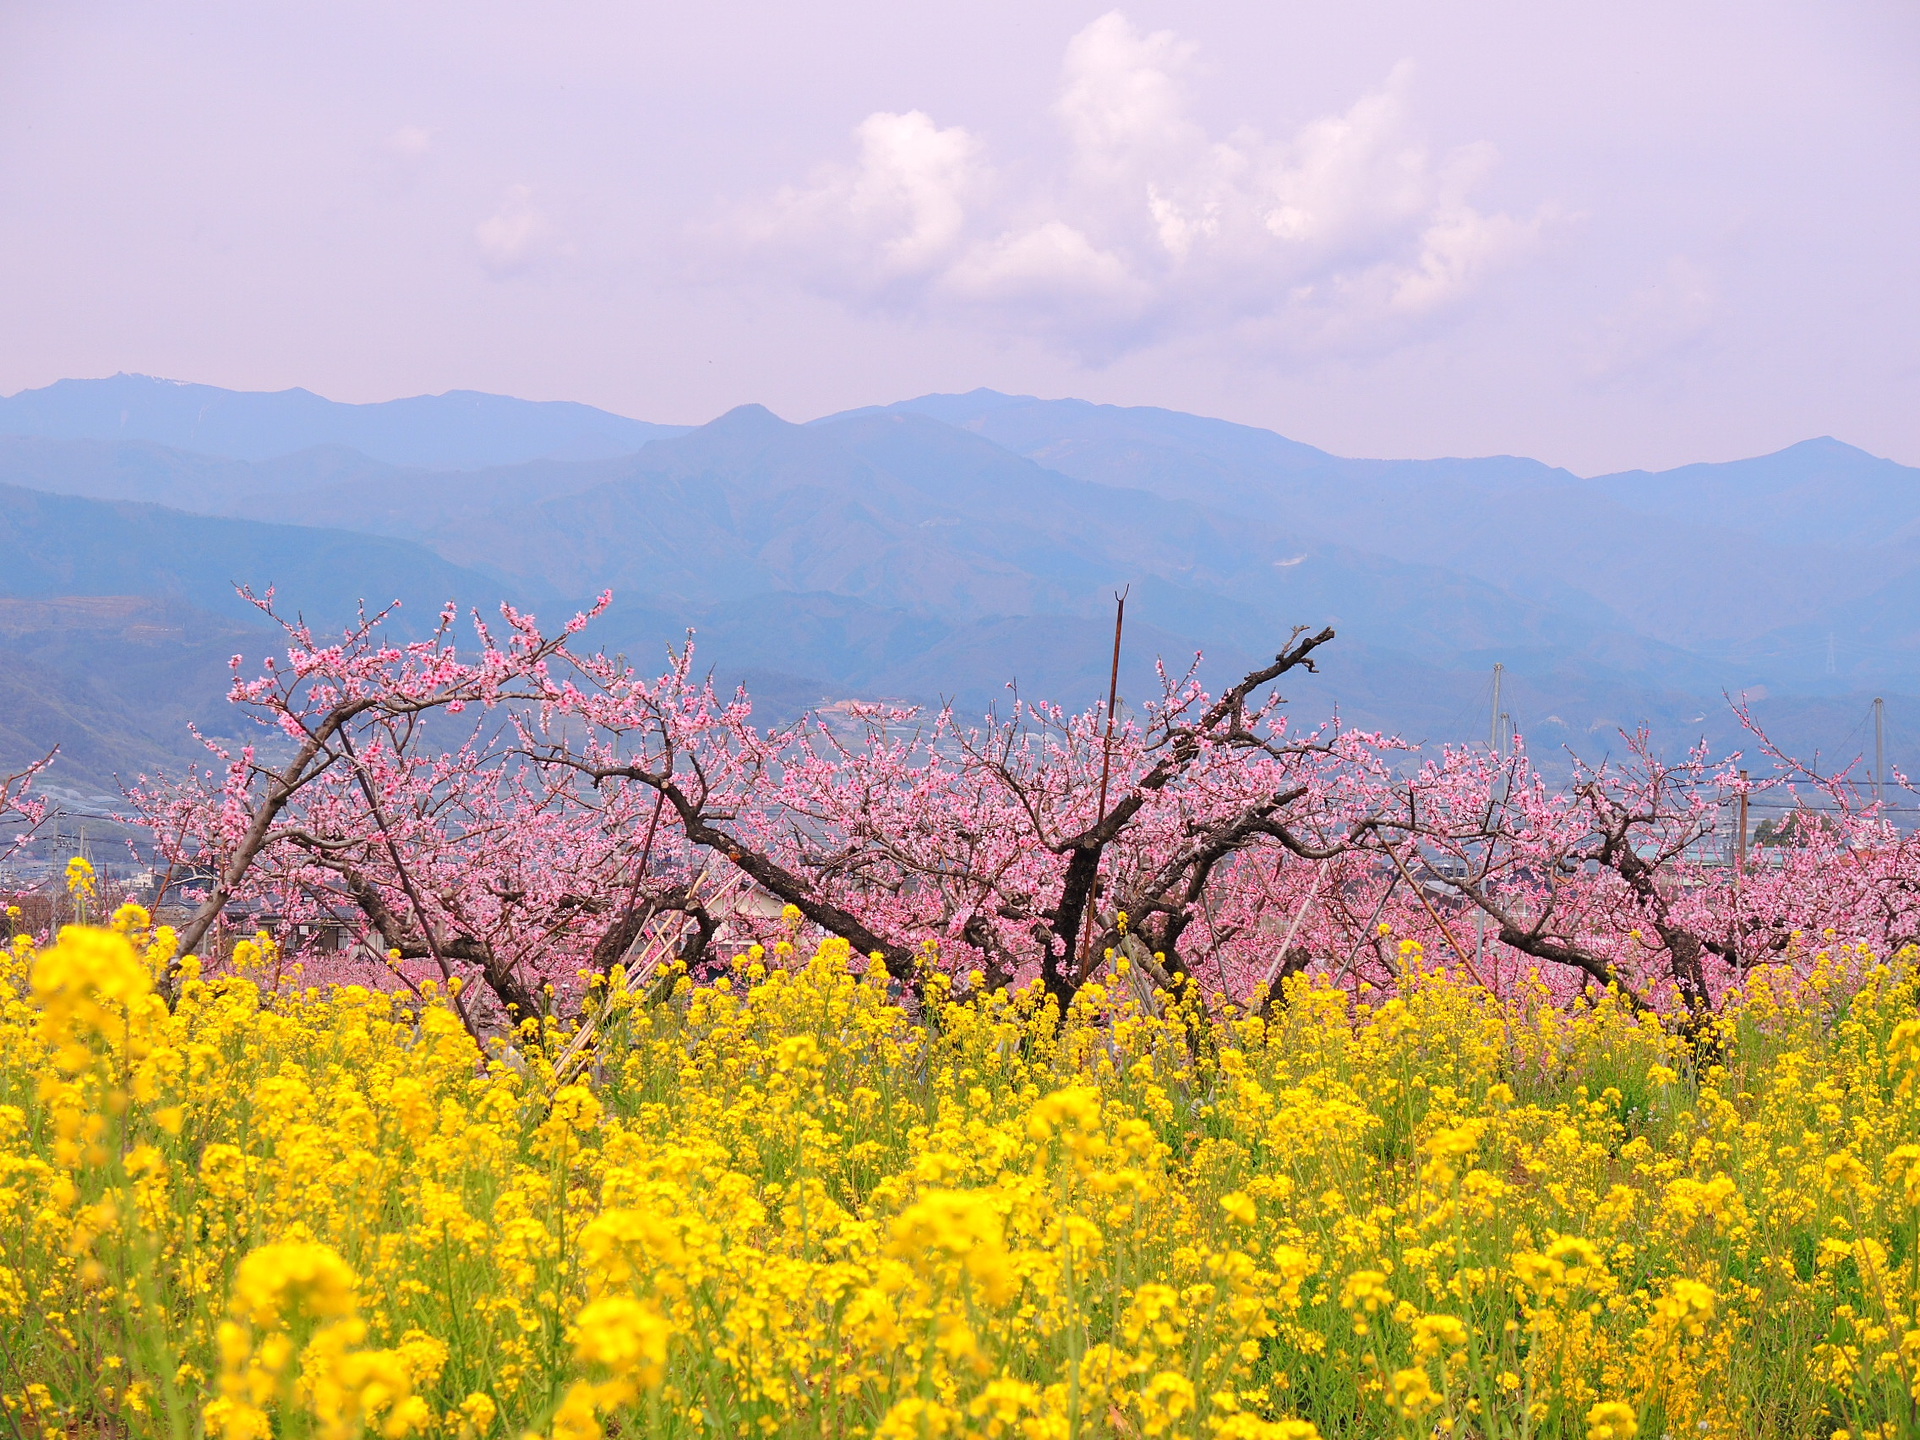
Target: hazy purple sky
1606, 235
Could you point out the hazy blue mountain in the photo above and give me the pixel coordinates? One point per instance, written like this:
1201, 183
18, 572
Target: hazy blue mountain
945, 546
158, 474
1740, 561
1180, 456
118, 618
1819, 491
904, 512
326, 485
115, 681
462, 429
61, 545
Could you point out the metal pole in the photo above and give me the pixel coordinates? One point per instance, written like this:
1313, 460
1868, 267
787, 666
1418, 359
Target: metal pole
1880, 752
1106, 764
1493, 720
1740, 838
1113, 697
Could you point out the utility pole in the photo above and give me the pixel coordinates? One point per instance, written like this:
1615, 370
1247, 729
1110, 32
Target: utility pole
1106, 763
1493, 745
1493, 720
1740, 837
1880, 751
1113, 697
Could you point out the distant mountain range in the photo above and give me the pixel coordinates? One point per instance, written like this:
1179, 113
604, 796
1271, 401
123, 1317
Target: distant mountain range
942, 547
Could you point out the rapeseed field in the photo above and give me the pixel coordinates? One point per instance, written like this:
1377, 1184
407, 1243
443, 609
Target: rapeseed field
786, 1203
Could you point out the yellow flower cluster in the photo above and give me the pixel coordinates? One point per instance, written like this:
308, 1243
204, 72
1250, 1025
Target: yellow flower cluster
783, 1204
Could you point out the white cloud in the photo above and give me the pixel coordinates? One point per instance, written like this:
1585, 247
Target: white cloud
517, 237
899, 212
1122, 100
1457, 250
1345, 234
1051, 257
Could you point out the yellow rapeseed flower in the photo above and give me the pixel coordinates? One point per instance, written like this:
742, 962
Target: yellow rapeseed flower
1612, 1420
788, 1203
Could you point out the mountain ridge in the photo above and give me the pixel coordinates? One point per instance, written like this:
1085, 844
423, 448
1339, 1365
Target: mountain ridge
458, 429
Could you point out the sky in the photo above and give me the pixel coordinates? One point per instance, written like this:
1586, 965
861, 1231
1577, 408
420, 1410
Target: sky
1632, 235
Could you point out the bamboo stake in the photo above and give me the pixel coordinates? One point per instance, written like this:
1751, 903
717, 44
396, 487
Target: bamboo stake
1313, 890
1434, 916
